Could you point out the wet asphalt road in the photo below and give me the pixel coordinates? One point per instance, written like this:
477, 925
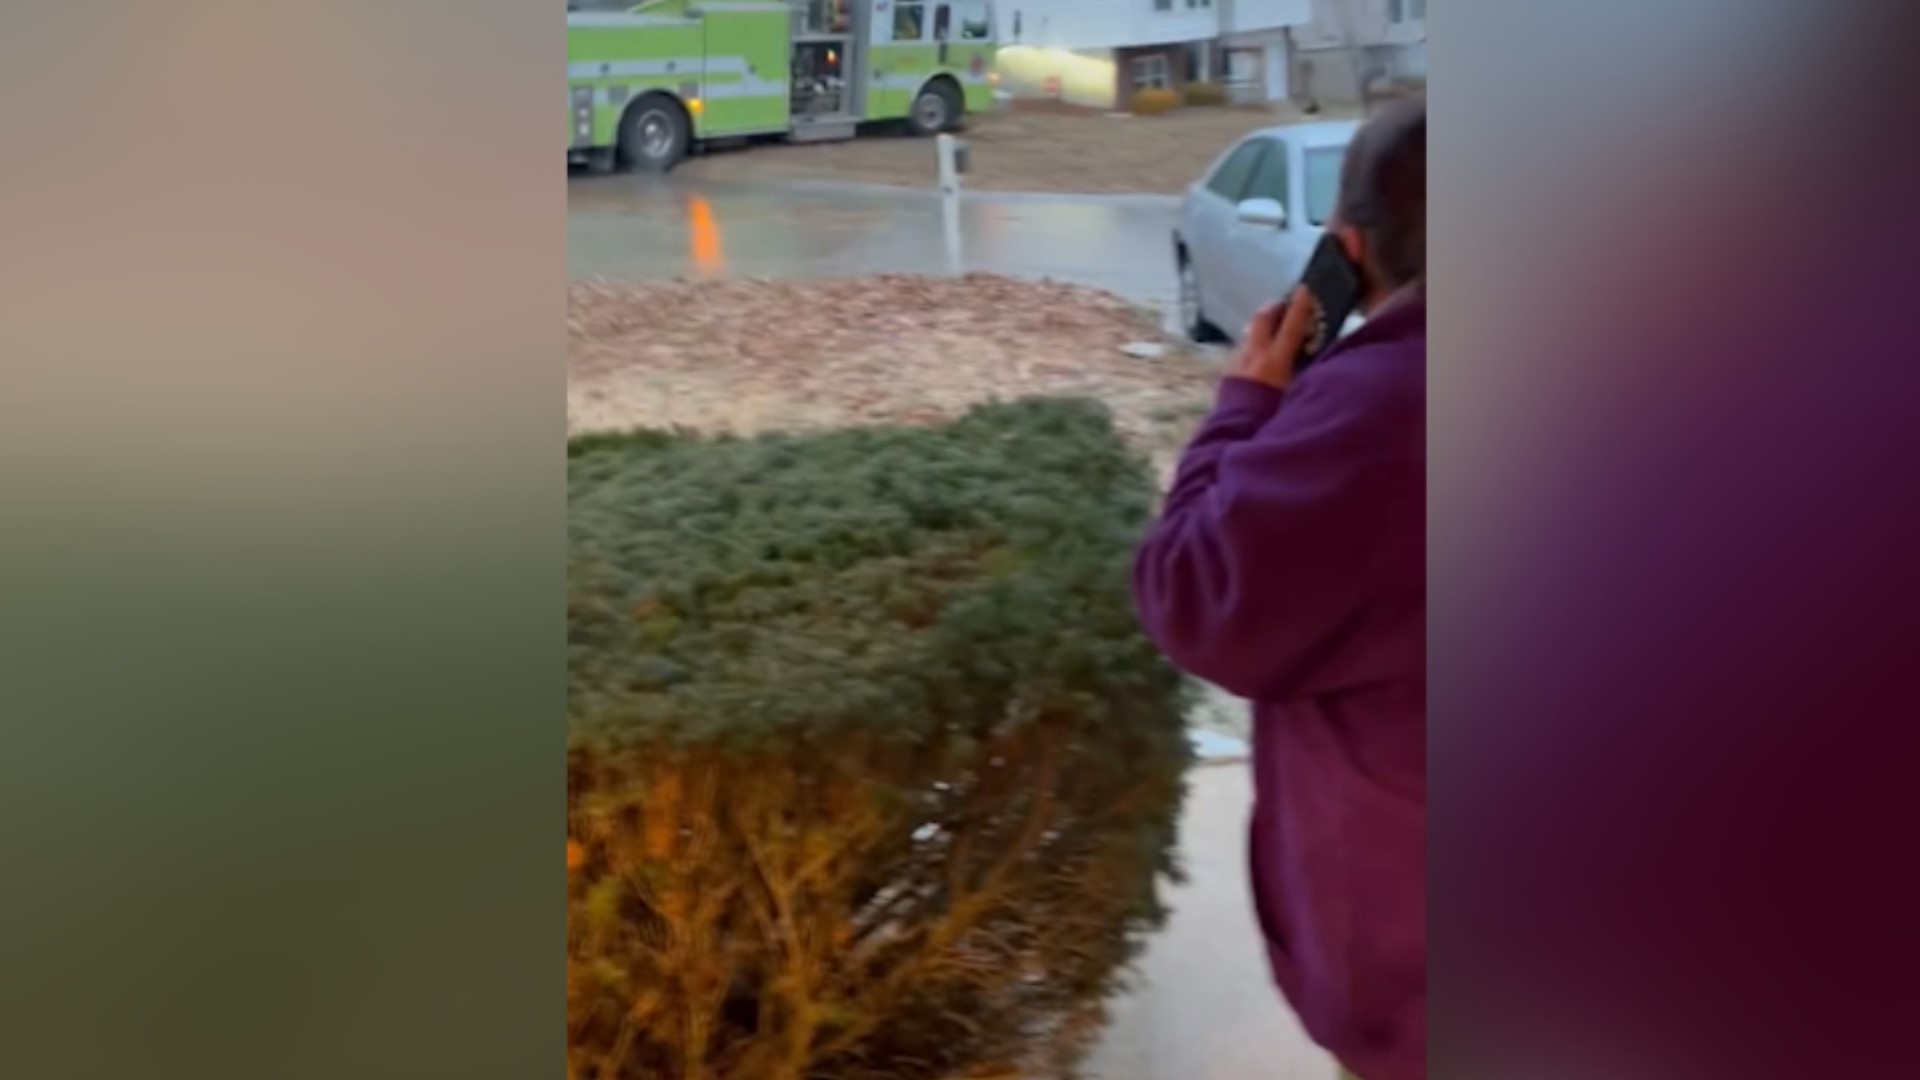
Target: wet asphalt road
639, 227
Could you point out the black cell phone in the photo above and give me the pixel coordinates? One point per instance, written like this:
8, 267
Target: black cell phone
1335, 283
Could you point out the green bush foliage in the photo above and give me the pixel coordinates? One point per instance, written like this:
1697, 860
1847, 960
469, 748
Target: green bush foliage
1206, 93
1153, 101
870, 772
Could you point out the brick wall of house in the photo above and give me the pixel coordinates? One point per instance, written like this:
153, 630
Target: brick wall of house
1177, 58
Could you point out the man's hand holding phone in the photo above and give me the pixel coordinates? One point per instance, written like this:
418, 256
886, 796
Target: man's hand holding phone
1276, 340
1286, 338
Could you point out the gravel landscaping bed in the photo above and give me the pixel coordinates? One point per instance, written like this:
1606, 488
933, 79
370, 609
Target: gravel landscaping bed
746, 356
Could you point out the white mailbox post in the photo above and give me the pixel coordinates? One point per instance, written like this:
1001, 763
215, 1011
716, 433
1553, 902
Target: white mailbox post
953, 155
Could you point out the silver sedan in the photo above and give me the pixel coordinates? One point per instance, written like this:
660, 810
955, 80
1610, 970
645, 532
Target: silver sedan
1249, 224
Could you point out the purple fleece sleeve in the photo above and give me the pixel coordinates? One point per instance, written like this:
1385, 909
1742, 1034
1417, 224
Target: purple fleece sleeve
1272, 531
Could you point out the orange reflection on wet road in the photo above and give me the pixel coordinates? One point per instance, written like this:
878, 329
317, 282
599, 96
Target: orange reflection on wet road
703, 239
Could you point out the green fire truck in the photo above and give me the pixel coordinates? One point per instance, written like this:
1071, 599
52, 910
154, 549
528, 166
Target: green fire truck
648, 80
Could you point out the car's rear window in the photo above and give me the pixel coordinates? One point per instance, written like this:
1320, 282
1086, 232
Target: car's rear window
1323, 181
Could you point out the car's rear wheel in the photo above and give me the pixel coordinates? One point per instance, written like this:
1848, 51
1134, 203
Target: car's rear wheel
1193, 317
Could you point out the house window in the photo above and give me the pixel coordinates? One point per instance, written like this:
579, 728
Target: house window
1163, 5
908, 21
1397, 11
1243, 67
1150, 72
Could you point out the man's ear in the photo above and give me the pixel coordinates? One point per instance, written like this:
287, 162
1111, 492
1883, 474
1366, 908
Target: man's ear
1352, 243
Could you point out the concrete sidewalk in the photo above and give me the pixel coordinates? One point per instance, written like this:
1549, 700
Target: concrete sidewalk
1204, 1007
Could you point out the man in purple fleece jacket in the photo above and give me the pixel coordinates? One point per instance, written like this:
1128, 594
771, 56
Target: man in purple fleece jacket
1289, 567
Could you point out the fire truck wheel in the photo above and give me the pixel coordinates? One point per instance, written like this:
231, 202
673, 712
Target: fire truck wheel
937, 109
653, 134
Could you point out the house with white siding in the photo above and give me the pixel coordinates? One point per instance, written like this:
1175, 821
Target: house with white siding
1348, 46
1256, 39
1099, 52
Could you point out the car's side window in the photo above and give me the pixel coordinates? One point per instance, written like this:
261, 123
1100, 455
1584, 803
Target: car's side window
1270, 179
1230, 179
1323, 181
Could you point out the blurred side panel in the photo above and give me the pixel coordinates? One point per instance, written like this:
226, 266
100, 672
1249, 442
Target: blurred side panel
281, 405
1675, 516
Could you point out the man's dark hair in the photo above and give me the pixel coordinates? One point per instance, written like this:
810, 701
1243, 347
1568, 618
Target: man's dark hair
1383, 190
